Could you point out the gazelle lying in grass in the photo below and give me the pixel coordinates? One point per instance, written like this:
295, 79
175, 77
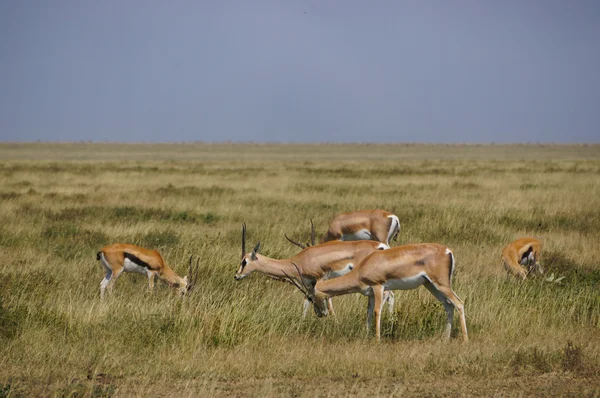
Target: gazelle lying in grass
378, 225
121, 257
320, 262
520, 257
400, 268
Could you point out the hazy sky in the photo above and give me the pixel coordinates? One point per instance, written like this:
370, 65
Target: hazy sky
290, 71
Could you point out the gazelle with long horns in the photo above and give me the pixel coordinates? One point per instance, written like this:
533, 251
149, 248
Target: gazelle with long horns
320, 262
400, 268
121, 257
520, 257
378, 225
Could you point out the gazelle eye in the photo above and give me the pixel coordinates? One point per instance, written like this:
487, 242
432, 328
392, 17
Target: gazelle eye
244, 262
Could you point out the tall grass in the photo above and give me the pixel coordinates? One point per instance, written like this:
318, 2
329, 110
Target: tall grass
62, 202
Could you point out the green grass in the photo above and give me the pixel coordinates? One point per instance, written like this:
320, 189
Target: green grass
63, 202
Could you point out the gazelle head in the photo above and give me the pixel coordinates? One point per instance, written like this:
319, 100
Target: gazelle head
528, 260
248, 263
319, 304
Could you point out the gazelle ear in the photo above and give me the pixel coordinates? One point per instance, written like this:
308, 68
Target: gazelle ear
255, 251
185, 279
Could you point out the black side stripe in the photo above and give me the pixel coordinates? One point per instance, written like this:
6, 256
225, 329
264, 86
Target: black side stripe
451, 271
136, 260
526, 254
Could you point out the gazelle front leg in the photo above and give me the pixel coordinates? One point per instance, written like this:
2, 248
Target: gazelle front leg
151, 275
305, 308
390, 299
330, 308
378, 304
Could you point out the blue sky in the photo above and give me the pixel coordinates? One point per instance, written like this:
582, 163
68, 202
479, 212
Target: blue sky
300, 71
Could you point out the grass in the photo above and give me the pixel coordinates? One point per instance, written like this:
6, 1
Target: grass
62, 202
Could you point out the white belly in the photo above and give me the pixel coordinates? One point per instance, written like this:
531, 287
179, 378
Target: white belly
130, 266
406, 283
363, 234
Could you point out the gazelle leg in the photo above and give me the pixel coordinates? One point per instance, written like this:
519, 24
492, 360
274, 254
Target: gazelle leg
458, 304
370, 308
105, 282
450, 301
115, 275
390, 298
330, 307
378, 304
151, 275
305, 308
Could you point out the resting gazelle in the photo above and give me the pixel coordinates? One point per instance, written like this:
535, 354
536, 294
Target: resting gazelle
521, 257
121, 257
320, 262
399, 268
378, 225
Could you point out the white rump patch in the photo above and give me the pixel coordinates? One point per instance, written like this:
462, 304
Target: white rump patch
409, 283
395, 224
130, 266
452, 262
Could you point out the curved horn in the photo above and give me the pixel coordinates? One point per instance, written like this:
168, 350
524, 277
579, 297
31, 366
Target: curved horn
293, 282
312, 233
193, 274
300, 245
243, 240
300, 275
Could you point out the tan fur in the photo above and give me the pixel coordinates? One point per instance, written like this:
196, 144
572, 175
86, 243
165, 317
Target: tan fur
314, 262
377, 222
397, 263
115, 256
513, 252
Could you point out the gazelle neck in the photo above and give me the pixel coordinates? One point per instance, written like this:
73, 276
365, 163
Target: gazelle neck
279, 269
168, 275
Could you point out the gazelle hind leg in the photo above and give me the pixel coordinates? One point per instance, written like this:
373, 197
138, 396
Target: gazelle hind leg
105, 283
370, 308
113, 279
450, 301
459, 305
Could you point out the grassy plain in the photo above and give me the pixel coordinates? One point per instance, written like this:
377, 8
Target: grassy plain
62, 202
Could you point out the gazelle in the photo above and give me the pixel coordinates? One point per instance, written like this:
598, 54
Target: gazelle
400, 268
320, 262
520, 257
378, 225
121, 257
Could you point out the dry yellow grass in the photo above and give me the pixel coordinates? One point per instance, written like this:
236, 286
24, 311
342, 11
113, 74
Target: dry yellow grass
62, 202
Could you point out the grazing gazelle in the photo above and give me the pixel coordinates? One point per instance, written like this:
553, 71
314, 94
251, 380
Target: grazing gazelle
399, 268
121, 257
520, 257
378, 225
320, 262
